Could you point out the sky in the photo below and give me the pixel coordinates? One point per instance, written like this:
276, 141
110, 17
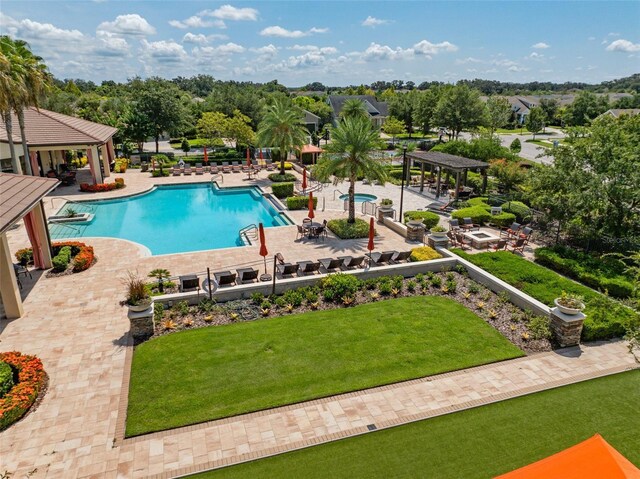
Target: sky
337, 43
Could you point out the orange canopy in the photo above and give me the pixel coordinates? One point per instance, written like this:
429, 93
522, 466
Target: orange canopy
591, 459
310, 149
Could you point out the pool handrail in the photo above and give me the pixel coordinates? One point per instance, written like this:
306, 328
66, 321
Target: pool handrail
337, 191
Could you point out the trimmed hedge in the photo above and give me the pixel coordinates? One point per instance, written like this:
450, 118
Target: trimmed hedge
478, 214
31, 380
344, 230
81, 254
424, 253
278, 178
6, 378
300, 202
62, 259
428, 218
479, 201
282, 190
502, 220
522, 211
600, 273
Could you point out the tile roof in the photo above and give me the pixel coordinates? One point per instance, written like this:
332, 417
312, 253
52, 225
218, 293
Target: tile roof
18, 194
48, 128
446, 160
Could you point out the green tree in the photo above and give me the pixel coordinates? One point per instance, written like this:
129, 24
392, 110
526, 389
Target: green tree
394, 127
459, 108
353, 108
497, 113
508, 173
185, 146
535, 120
282, 127
137, 127
238, 128
515, 146
349, 156
212, 126
550, 108
585, 107
424, 109
402, 106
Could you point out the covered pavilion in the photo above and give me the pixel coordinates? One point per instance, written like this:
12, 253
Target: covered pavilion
458, 165
312, 150
50, 134
21, 198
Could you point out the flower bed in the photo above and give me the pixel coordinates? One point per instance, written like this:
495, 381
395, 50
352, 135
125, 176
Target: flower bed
102, 187
31, 381
344, 230
80, 259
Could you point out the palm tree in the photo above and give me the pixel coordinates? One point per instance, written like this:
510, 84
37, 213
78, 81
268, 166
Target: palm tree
11, 87
349, 156
282, 127
354, 108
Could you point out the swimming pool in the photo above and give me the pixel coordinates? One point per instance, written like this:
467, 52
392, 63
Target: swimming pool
176, 218
360, 197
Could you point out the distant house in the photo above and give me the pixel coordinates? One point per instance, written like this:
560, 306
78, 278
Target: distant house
378, 110
521, 106
311, 121
618, 112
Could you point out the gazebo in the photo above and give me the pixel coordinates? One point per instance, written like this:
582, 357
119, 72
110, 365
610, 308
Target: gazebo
21, 197
312, 150
459, 165
50, 134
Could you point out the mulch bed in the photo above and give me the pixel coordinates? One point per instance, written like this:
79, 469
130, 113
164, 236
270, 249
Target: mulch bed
511, 321
54, 274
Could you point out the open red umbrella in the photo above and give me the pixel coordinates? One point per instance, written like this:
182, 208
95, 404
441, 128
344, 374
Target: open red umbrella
372, 233
248, 158
263, 247
206, 157
311, 214
304, 179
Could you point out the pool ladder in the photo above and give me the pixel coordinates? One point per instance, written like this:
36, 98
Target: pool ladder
80, 207
215, 177
248, 233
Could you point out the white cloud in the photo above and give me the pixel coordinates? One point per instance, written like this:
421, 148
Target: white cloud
462, 61
29, 30
376, 51
201, 39
613, 34
515, 68
623, 46
110, 45
132, 24
314, 48
219, 52
228, 12
196, 22
536, 56
425, 47
267, 52
278, 31
164, 51
373, 22
540, 45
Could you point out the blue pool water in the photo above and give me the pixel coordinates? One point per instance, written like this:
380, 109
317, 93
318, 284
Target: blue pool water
176, 218
360, 197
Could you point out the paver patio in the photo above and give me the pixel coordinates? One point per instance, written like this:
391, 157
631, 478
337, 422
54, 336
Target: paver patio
76, 326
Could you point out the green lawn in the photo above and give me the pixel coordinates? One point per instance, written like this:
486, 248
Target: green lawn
478, 443
605, 318
544, 144
195, 376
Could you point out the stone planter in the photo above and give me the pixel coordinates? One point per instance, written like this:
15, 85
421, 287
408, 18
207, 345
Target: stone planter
143, 306
566, 310
384, 211
438, 234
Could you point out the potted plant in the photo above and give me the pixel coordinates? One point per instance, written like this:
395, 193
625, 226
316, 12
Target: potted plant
569, 303
138, 297
439, 231
386, 203
160, 274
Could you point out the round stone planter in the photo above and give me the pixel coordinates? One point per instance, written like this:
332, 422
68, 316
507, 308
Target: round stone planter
438, 234
566, 310
143, 306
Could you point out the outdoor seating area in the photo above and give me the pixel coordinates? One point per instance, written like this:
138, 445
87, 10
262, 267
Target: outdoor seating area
470, 236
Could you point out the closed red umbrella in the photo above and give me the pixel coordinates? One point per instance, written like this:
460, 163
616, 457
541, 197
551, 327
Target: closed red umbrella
261, 159
372, 233
304, 179
206, 157
248, 158
263, 247
311, 214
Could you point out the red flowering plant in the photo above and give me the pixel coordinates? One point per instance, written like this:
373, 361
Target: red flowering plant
101, 187
31, 379
81, 254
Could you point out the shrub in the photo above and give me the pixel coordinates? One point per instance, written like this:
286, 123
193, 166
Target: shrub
282, 190
119, 183
293, 297
339, 285
300, 202
6, 379
503, 220
157, 173
344, 230
522, 211
278, 178
539, 327
83, 259
424, 253
62, 259
25, 254
31, 379
478, 214
102, 187
428, 218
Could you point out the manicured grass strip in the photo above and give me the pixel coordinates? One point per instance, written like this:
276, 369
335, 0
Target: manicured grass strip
477, 443
209, 373
605, 318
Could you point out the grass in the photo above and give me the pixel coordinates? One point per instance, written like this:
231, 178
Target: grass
477, 443
195, 376
605, 318
193, 143
544, 144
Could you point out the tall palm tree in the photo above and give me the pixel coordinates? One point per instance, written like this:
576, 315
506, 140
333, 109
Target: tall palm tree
282, 127
11, 87
350, 156
354, 108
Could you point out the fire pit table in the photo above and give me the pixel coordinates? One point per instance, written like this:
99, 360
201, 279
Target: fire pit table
480, 239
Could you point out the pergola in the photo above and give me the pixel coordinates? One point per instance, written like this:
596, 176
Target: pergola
50, 134
21, 197
458, 165
312, 150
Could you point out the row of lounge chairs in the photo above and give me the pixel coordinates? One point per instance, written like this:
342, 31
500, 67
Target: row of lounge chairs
225, 167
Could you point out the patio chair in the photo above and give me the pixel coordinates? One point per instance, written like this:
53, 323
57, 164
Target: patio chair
187, 170
199, 169
401, 257
469, 225
225, 278
301, 233
518, 245
235, 167
21, 268
511, 230
500, 245
454, 224
255, 165
526, 232
245, 168
225, 167
318, 232
378, 259
176, 170
350, 262
308, 267
452, 237
287, 269
462, 242
330, 264
270, 165
189, 282
246, 275
213, 169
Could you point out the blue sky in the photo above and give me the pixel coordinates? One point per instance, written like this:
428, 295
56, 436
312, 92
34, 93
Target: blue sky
337, 42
